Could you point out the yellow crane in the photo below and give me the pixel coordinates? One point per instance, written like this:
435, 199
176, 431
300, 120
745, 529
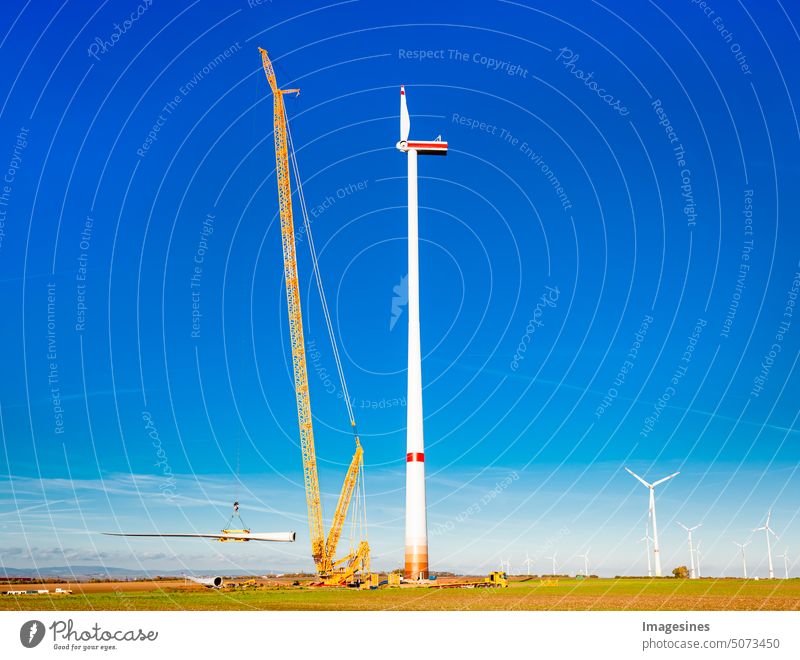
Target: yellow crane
330, 570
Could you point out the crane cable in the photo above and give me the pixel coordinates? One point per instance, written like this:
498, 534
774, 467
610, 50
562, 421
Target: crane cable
318, 277
358, 527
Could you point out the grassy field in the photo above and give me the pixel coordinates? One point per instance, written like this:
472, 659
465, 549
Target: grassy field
568, 594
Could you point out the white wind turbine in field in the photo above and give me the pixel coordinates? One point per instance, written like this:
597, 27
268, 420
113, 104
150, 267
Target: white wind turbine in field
785, 557
693, 572
767, 531
554, 562
416, 537
585, 558
697, 552
652, 513
742, 546
646, 538
528, 561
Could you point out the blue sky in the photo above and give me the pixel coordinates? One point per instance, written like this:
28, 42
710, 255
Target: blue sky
609, 262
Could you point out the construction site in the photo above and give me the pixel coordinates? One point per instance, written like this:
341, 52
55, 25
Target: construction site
353, 569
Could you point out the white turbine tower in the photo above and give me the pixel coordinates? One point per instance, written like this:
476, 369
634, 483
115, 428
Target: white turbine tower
767, 531
646, 538
697, 552
652, 513
416, 541
528, 562
691, 549
785, 557
554, 562
585, 558
742, 546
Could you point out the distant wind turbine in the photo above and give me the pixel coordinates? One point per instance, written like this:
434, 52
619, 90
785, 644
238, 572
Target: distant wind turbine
785, 557
585, 562
691, 549
528, 562
652, 512
767, 531
742, 546
697, 552
646, 538
554, 562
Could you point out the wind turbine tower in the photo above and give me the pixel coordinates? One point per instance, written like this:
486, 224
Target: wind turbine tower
585, 557
646, 538
785, 557
742, 546
767, 531
527, 563
691, 549
554, 562
416, 540
697, 552
652, 514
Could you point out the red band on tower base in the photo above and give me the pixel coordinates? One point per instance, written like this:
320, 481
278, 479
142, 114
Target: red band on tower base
415, 457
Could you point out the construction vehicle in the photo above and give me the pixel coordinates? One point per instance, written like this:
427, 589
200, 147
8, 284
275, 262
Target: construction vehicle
494, 579
354, 567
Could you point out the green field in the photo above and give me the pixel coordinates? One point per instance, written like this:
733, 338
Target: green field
568, 594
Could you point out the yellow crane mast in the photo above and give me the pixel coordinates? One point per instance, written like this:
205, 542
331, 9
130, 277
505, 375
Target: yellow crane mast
331, 571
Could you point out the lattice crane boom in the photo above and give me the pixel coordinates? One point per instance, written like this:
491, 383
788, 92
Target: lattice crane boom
322, 551
299, 367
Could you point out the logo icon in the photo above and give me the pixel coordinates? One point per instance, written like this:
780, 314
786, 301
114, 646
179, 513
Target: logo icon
399, 301
31, 633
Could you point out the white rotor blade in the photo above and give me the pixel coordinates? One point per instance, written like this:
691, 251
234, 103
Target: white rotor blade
638, 477
405, 120
277, 537
661, 481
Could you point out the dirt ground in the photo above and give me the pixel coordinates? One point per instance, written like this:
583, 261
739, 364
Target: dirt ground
534, 594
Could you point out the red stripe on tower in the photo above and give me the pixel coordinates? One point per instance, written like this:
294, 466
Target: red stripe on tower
415, 457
